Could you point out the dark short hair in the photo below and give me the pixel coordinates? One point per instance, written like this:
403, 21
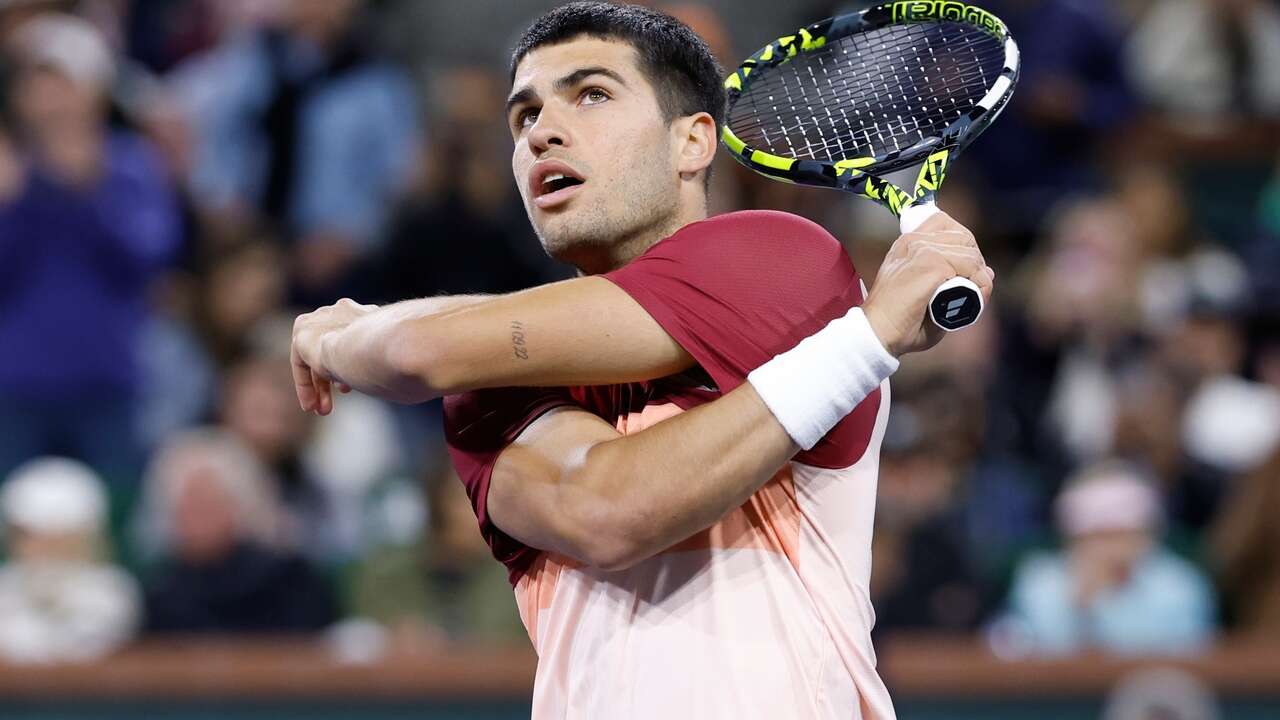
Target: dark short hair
675, 60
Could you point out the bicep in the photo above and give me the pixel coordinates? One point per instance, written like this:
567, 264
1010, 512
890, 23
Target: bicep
585, 331
531, 494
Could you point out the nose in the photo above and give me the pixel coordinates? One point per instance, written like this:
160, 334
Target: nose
549, 130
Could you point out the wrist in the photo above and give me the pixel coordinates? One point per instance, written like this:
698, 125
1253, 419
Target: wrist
812, 386
328, 352
884, 330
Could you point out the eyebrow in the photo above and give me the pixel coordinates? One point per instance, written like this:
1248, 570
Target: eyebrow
527, 93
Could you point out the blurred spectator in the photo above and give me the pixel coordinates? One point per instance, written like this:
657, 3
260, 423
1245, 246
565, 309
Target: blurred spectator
1206, 69
213, 518
1163, 694
160, 33
301, 124
1208, 59
446, 588
1113, 587
1246, 551
1072, 96
258, 407
1081, 318
61, 599
463, 229
86, 220
1150, 398
242, 285
350, 454
14, 13
923, 575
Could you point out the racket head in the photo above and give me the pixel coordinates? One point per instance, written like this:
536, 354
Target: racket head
847, 100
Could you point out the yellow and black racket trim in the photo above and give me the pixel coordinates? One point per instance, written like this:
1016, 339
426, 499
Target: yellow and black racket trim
861, 173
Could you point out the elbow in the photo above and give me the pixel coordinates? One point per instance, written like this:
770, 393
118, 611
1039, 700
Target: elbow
613, 551
607, 533
610, 548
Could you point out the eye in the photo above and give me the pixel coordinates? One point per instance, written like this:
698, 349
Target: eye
594, 96
526, 117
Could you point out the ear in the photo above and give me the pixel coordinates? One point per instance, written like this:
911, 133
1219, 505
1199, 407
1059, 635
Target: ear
695, 143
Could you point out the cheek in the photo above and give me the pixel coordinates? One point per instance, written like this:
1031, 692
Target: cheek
625, 158
521, 159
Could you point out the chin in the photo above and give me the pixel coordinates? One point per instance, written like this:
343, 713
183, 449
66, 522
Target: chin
572, 250
564, 238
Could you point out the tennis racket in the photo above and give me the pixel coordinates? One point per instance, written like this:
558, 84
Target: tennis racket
847, 101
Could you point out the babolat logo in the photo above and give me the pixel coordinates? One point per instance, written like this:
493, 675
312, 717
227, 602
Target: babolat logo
909, 10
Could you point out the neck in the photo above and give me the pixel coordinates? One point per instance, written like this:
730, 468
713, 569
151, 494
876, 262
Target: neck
623, 250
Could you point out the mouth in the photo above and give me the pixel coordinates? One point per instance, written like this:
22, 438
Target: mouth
553, 183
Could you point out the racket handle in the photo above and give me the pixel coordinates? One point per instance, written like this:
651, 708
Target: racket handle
957, 303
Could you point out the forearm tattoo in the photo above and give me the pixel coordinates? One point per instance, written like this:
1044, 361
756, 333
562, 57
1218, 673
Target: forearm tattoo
518, 346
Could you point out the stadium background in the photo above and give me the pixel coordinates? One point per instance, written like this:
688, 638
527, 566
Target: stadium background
258, 157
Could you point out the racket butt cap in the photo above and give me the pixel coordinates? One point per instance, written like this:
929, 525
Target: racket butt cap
956, 304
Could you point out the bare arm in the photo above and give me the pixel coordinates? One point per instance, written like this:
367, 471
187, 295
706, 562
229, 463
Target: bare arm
582, 331
573, 485
425, 307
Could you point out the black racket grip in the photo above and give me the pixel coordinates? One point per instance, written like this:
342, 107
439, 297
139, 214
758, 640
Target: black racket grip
956, 304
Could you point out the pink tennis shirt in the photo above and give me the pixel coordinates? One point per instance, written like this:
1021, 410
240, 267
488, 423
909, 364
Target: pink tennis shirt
764, 615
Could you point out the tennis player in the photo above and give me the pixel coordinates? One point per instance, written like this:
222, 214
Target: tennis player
681, 488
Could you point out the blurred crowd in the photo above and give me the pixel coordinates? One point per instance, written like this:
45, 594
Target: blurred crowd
1094, 466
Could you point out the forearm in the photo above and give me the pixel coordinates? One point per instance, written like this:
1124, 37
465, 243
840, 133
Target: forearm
577, 332
681, 475
369, 354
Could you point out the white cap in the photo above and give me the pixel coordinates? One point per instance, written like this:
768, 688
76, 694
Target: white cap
53, 495
1111, 496
1232, 424
71, 46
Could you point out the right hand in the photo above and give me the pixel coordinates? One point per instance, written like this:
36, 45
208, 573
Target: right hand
313, 382
916, 264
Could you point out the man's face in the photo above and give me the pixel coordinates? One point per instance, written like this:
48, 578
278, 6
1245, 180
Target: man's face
593, 153
204, 515
46, 99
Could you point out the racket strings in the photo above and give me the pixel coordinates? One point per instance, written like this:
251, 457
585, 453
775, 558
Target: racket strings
897, 133
887, 85
869, 94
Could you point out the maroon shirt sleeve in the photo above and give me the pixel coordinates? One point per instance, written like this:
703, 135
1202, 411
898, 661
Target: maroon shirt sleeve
737, 289
478, 426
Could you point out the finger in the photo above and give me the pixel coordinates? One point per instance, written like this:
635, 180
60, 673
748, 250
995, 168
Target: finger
302, 381
958, 238
344, 388
980, 275
964, 261
945, 262
324, 394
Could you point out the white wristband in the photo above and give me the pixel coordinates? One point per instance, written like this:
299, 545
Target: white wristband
812, 386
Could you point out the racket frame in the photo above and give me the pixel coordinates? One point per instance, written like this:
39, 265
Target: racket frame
864, 175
